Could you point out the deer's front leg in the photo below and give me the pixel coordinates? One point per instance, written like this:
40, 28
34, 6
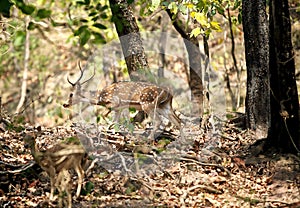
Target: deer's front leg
80, 174
52, 182
152, 113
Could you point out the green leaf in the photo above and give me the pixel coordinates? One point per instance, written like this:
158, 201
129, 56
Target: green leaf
43, 13
220, 10
189, 5
215, 26
80, 30
195, 32
200, 18
93, 14
19, 38
237, 4
130, 1
103, 16
94, 19
84, 36
31, 26
240, 20
201, 5
100, 26
102, 9
173, 7
81, 3
132, 110
5, 7
89, 186
27, 9
213, 12
154, 5
183, 9
98, 38
84, 20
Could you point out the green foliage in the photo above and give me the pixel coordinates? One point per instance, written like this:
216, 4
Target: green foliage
154, 5
90, 28
25, 8
5, 7
88, 188
43, 13
202, 12
83, 33
89, 21
132, 110
19, 38
16, 124
162, 143
130, 1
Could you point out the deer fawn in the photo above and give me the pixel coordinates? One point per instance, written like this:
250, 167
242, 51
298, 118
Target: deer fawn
155, 101
57, 161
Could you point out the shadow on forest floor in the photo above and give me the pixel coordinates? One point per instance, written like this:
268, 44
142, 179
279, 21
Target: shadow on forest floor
220, 169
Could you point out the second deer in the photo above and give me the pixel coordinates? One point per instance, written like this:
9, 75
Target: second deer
57, 161
154, 100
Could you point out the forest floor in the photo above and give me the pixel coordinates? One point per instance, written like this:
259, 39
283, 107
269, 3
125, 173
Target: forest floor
204, 168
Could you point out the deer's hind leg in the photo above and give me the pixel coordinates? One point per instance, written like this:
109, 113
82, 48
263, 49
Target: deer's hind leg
64, 187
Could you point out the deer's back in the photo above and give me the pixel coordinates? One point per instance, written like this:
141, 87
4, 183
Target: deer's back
133, 94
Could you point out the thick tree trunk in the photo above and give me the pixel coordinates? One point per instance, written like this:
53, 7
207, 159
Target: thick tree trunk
128, 32
195, 56
284, 131
257, 59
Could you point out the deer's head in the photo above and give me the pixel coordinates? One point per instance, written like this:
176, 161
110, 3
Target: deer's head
77, 94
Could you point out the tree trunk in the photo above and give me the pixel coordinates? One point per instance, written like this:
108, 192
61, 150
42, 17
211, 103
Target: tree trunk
26, 67
257, 59
284, 131
195, 56
128, 32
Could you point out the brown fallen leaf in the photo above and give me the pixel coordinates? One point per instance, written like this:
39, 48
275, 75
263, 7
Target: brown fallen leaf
240, 162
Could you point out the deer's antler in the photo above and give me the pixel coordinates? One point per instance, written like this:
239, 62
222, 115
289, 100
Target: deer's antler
80, 77
81, 74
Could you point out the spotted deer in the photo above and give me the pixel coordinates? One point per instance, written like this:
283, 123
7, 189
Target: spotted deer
154, 100
57, 162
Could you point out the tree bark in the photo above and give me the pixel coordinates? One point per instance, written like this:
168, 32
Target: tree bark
284, 131
195, 56
257, 60
26, 63
128, 32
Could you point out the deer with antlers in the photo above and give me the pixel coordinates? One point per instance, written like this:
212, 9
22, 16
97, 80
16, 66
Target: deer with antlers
154, 100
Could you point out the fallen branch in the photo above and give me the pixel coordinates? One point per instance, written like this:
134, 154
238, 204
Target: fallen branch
19, 170
189, 158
